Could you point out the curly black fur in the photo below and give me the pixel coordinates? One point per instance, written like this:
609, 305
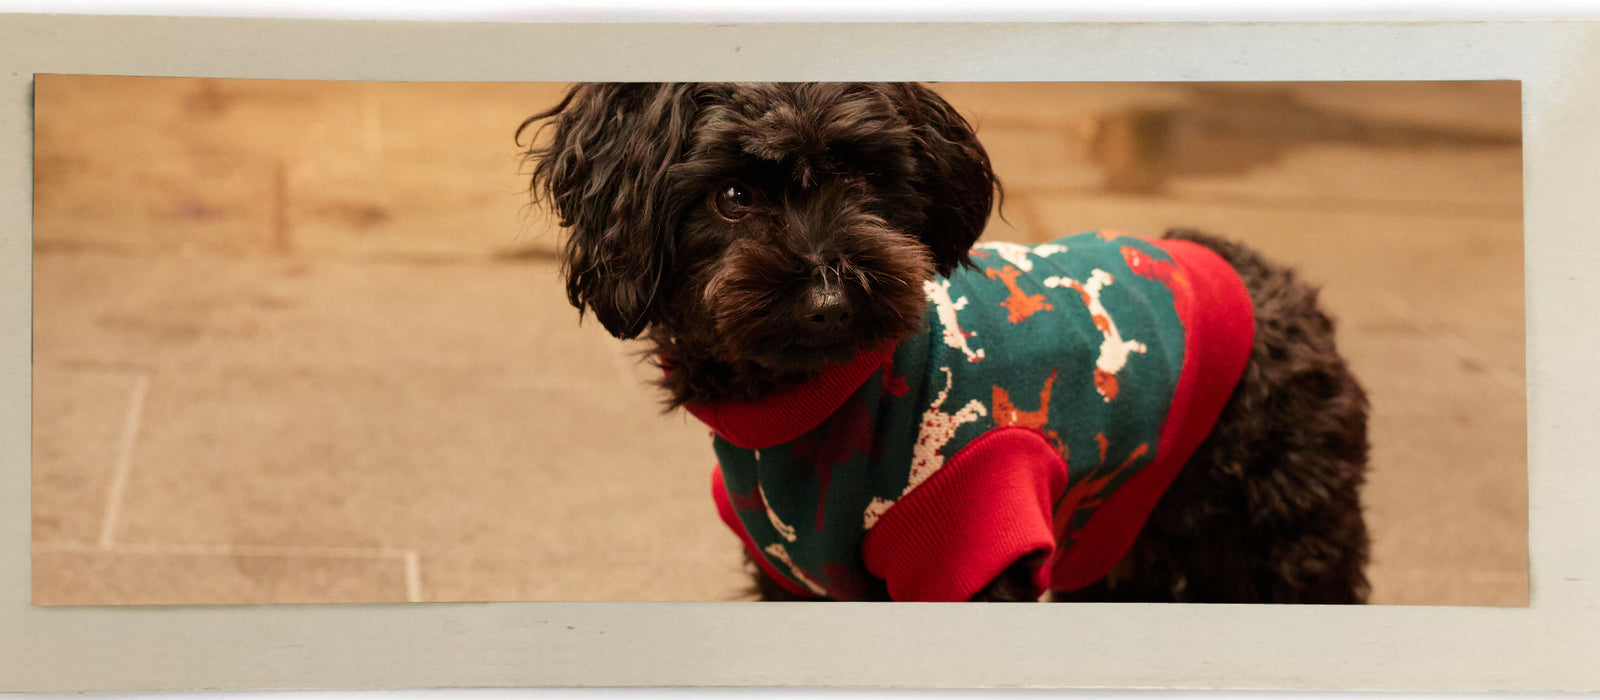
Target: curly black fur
728, 222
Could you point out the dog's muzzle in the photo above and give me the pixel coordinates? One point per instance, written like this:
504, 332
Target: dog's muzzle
823, 309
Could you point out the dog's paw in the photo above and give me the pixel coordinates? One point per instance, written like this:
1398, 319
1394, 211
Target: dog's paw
1015, 584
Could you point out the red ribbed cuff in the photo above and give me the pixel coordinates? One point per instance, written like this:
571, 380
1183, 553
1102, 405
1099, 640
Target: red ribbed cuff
1219, 327
987, 507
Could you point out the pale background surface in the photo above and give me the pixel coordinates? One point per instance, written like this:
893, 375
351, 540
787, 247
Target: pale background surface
304, 341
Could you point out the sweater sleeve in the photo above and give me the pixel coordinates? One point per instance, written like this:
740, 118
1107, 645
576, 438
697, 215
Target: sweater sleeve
987, 507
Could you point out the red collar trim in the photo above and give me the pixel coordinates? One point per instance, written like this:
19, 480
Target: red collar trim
788, 414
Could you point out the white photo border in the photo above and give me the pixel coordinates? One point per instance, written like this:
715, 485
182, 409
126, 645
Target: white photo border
1549, 645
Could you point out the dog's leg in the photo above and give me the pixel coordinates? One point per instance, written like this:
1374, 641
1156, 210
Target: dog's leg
1250, 522
1015, 584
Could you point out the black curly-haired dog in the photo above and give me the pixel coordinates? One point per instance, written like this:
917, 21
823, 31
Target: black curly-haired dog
760, 234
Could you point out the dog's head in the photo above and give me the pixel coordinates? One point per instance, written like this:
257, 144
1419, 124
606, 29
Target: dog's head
786, 225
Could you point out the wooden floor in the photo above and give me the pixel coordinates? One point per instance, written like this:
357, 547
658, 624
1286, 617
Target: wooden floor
305, 341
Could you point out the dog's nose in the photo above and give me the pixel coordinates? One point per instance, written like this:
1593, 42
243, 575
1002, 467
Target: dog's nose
824, 309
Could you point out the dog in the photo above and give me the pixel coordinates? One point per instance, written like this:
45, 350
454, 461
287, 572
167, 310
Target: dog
901, 412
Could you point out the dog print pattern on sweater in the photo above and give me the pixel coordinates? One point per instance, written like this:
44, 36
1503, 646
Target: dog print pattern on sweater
921, 448
936, 430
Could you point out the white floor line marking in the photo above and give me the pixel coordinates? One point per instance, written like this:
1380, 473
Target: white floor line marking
124, 464
413, 577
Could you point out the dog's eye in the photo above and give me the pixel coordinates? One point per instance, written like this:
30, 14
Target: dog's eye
732, 202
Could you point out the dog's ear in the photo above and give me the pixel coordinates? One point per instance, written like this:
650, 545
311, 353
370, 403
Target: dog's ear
603, 169
954, 175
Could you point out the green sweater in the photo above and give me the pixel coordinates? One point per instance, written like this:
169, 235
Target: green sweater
1054, 396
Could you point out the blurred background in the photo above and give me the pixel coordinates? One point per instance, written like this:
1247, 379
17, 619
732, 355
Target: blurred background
305, 341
